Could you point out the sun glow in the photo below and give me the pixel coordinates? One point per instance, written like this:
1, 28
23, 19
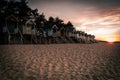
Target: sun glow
111, 40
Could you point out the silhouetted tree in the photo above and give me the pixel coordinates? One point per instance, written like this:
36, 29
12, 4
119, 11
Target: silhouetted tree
3, 8
35, 13
50, 22
40, 21
59, 22
69, 26
23, 12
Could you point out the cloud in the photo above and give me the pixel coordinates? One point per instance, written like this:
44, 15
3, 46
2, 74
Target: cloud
106, 21
103, 31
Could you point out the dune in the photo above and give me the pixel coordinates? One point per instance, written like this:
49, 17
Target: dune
99, 61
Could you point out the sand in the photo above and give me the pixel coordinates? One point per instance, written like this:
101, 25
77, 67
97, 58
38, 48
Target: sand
99, 61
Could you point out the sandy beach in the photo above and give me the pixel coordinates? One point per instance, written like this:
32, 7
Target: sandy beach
99, 61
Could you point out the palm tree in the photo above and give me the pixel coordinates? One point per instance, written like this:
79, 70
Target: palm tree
3, 9
40, 26
48, 29
3, 6
69, 28
40, 21
59, 22
50, 22
24, 10
34, 13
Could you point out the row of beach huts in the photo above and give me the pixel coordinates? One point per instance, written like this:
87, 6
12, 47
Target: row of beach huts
14, 32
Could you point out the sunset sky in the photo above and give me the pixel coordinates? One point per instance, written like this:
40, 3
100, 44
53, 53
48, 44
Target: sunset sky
98, 17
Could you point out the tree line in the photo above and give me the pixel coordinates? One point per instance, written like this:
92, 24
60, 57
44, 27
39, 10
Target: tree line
25, 13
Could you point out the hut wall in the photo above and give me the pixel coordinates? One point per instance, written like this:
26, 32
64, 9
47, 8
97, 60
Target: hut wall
77, 36
27, 30
50, 32
57, 34
70, 34
12, 26
33, 31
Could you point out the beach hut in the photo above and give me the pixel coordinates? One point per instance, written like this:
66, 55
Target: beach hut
30, 32
55, 31
77, 36
12, 30
57, 34
82, 37
29, 28
88, 38
11, 24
